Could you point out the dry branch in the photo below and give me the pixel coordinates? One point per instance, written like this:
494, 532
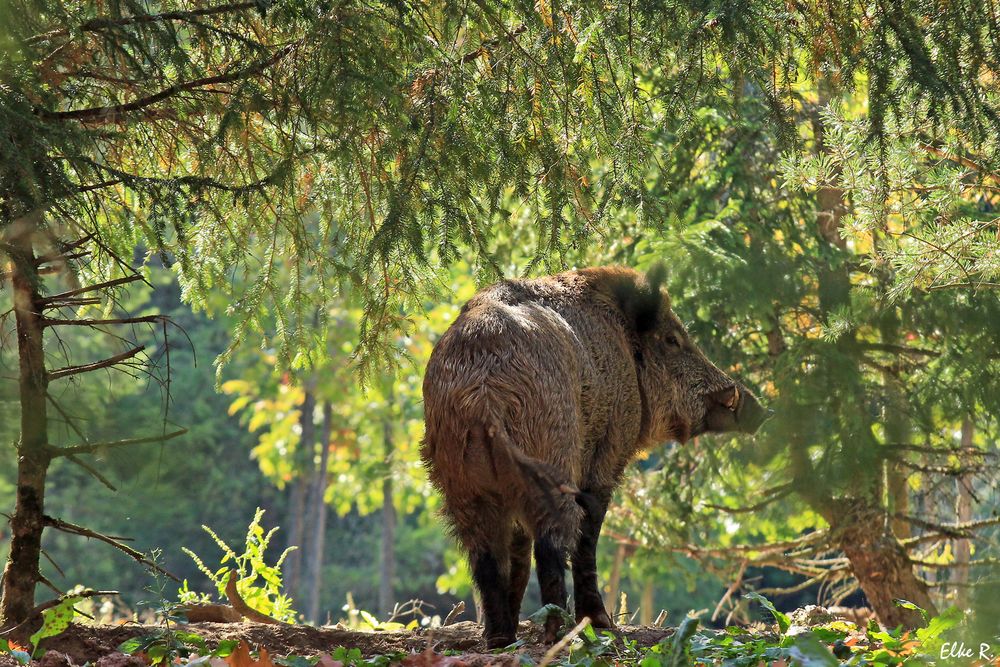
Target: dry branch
144, 319
90, 288
94, 472
104, 363
111, 444
74, 529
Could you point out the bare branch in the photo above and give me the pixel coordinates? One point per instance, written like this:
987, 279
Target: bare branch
732, 589
104, 363
145, 319
90, 288
112, 444
73, 529
92, 470
943, 531
74, 302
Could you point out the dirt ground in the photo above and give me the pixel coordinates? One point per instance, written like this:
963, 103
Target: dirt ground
97, 644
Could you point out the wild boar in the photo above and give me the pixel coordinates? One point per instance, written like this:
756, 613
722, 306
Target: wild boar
536, 398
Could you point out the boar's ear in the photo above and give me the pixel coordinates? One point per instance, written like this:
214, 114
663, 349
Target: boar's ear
642, 300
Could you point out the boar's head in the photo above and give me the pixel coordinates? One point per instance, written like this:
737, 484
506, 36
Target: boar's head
686, 393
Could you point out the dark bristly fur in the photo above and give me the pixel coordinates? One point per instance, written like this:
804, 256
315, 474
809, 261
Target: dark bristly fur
536, 398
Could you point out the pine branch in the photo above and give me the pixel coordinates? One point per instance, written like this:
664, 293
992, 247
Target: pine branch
117, 112
74, 529
104, 363
95, 25
112, 444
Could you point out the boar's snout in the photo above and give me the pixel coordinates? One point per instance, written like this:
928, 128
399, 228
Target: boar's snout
734, 408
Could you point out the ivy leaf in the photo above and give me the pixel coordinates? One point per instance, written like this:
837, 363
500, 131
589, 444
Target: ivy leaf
906, 604
54, 621
780, 618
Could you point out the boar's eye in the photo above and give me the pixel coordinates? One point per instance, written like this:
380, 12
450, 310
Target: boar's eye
672, 340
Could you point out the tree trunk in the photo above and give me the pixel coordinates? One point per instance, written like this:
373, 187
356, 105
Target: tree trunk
647, 602
21, 571
387, 568
304, 461
615, 580
317, 521
963, 547
880, 563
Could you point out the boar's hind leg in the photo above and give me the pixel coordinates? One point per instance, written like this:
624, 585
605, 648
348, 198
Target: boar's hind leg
520, 572
586, 592
494, 591
550, 566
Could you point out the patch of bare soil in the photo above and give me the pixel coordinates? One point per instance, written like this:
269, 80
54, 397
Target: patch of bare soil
98, 644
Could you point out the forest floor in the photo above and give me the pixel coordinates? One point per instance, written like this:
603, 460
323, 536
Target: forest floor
457, 644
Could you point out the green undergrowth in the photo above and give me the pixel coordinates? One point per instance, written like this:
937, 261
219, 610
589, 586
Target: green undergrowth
941, 641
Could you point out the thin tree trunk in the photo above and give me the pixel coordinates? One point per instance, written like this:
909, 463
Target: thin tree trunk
615, 580
387, 568
21, 571
304, 462
963, 548
647, 602
317, 520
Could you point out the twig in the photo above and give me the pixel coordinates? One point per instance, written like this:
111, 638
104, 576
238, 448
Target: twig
455, 612
732, 589
94, 446
93, 471
562, 643
242, 607
74, 529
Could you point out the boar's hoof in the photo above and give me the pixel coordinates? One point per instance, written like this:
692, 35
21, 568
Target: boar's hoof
499, 641
600, 620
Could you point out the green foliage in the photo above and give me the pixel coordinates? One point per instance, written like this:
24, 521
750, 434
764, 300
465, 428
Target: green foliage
167, 646
258, 583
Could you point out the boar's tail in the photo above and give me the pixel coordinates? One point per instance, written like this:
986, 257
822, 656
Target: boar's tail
551, 500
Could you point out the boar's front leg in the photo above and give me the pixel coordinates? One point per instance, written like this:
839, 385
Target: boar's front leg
586, 592
550, 567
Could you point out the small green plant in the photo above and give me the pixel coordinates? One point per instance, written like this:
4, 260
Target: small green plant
165, 648
258, 583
